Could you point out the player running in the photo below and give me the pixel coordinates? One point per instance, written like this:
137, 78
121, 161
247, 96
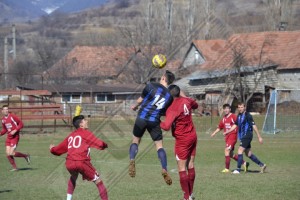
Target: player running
12, 125
226, 123
246, 125
154, 101
179, 118
77, 146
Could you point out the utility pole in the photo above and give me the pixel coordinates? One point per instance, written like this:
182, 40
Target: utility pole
5, 61
14, 41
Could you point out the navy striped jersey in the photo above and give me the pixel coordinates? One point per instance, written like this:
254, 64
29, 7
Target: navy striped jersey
245, 123
156, 100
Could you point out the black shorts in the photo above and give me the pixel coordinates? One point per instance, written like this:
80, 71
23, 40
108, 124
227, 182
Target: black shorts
246, 142
153, 128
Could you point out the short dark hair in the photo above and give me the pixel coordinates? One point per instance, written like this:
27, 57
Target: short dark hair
77, 120
174, 90
226, 105
241, 103
170, 77
4, 106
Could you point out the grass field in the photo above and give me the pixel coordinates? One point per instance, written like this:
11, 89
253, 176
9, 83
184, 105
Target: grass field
46, 177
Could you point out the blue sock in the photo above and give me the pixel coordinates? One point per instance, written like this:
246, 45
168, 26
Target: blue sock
239, 162
133, 151
255, 159
162, 157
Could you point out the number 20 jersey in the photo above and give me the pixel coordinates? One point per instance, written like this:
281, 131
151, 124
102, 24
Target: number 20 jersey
156, 100
78, 144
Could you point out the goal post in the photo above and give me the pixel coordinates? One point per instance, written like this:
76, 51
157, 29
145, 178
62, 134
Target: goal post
283, 112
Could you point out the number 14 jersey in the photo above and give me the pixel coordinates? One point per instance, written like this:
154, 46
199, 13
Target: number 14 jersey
78, 144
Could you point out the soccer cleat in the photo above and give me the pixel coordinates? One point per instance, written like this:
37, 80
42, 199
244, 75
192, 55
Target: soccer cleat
14, 170
236, 172
167, 177
246, 165
263, 168
225, 171
191, 197
27, 158
131, 170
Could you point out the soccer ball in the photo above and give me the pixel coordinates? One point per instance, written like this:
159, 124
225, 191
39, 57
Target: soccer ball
159, 61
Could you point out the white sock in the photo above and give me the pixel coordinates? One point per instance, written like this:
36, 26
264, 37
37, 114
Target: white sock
69, 196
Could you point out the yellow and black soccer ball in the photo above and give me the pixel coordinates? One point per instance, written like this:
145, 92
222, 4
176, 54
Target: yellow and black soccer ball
159, 61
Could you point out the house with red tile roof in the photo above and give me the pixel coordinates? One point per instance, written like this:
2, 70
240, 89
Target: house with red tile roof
265, 60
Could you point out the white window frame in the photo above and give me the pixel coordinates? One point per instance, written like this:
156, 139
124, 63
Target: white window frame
71, 98
105, 101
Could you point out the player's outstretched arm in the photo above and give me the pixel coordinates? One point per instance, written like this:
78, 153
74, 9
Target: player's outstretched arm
59, 149
258, 134
215, 132
170, 117
138, 103
230, 130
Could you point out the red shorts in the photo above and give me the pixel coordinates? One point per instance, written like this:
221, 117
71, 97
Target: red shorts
12, 142
185, 149
230, 142
85, 168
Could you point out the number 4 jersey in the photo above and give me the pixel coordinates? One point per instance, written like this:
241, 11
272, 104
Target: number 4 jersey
179, 118
156, 99
78, 144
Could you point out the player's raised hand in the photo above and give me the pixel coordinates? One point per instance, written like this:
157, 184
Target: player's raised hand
51, 146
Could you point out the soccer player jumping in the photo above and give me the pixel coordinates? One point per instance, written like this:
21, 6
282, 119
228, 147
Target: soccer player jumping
179, 118
246, 125
154, 101
77, 146
226, 123
12, 125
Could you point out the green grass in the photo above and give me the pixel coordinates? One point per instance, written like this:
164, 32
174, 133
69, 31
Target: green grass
47, 177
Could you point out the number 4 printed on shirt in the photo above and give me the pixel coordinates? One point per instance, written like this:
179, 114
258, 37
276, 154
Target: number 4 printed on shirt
185, 110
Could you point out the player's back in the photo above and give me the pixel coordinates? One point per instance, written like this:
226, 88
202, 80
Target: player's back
156, 99
183, 125
78, 147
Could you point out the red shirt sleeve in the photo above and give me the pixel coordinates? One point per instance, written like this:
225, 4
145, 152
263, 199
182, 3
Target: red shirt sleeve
61, 148
194, 104
171, 115
4, 130
20, 124
221, 124
94, 142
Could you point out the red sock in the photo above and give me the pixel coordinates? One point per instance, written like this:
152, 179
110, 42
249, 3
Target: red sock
227, 162
71, 185
192, 175
12, 161
19, 154
235, 157
102, 191
184, 182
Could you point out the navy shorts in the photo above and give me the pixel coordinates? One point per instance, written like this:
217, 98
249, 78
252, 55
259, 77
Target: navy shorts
246, 142
141, 125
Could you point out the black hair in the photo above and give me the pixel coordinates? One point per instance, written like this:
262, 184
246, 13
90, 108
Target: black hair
4, 106
241, 103
170, 77
226, 105
77, 120
174, 90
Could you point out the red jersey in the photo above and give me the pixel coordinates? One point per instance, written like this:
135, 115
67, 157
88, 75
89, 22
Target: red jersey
10, 123
78, 144
227, 122
179, 117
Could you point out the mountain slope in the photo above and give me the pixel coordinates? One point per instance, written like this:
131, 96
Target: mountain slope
79, 5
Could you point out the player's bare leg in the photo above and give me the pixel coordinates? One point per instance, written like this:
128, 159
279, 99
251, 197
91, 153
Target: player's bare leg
133, 150
71, 185
162, 156
191, 175
250, 155
102, 189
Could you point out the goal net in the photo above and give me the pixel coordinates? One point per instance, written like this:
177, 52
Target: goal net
283, 113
